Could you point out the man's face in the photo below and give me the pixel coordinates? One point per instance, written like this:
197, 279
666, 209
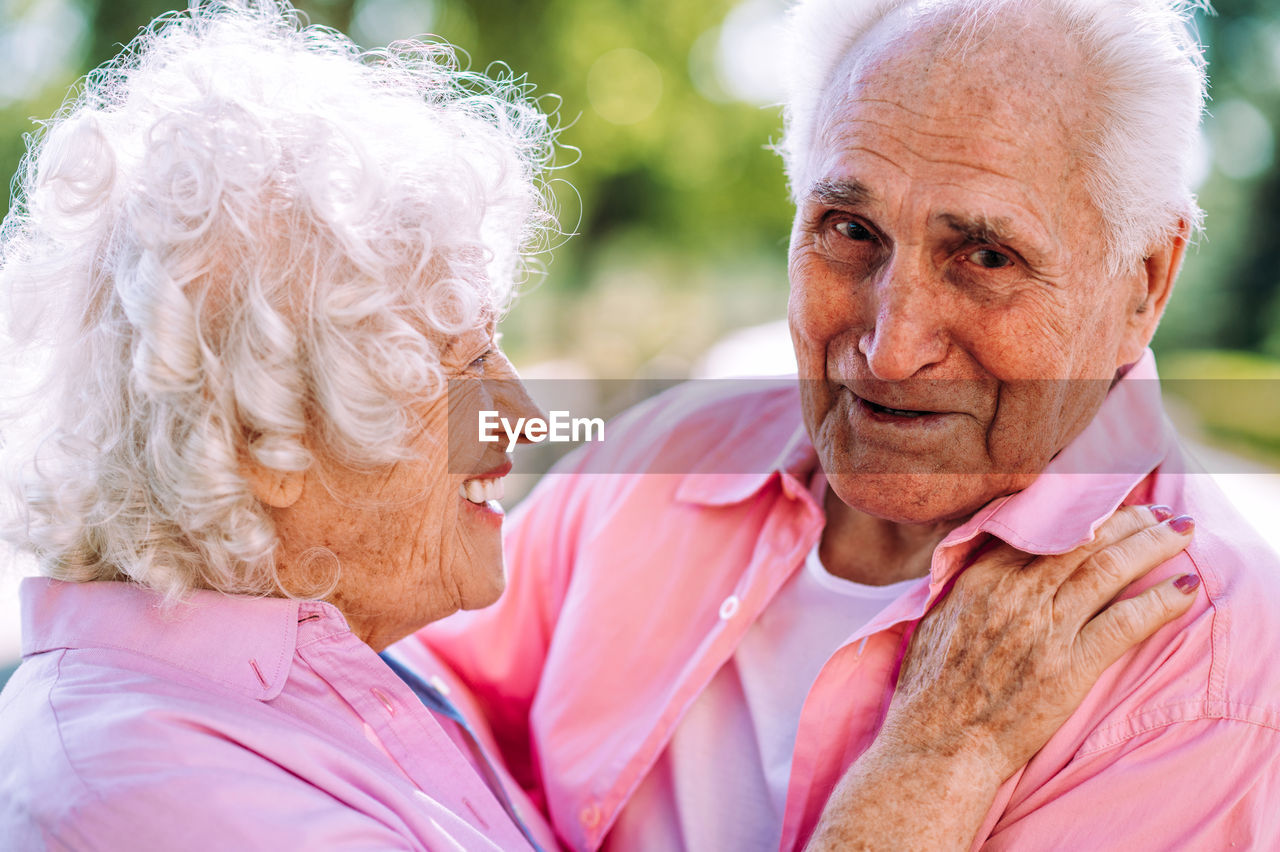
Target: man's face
945, 256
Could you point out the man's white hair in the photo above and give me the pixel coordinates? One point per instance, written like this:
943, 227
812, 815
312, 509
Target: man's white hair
1150, 90
246, 239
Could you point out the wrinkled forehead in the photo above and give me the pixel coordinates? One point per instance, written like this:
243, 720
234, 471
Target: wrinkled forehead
1012, 78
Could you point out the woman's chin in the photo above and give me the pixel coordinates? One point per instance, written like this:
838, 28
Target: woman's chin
482, 594
478, 569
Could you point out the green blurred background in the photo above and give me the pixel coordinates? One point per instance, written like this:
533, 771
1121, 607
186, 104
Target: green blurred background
680, 209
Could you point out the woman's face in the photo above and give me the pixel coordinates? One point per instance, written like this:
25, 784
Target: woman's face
422, 538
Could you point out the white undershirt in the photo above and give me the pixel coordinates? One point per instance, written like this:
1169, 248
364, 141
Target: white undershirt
722, 781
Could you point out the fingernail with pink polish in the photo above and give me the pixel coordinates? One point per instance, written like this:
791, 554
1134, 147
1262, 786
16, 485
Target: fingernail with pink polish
1162, 513
1187, 583
1182, 524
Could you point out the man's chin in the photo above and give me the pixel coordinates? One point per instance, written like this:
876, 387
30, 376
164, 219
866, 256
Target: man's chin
920, 498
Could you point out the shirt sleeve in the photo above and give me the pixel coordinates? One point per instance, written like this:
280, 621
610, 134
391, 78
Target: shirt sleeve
1199, 784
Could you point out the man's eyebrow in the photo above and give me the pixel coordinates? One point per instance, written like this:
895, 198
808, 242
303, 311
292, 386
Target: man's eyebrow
979, 229
841, 193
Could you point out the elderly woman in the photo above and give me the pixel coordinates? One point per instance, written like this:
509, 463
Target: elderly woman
250, 259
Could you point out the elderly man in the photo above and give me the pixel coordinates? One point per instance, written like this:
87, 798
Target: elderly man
992, 206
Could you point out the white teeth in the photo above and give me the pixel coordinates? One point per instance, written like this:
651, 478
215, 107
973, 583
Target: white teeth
481, 490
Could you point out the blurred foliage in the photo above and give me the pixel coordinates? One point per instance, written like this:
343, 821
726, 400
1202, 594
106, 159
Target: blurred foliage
1228, 291
679, 210
1235, 397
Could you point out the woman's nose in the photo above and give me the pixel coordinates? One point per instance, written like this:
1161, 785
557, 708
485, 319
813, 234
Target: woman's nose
514, 403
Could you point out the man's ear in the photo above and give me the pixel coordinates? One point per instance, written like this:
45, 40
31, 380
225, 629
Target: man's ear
1156, 276
278, 489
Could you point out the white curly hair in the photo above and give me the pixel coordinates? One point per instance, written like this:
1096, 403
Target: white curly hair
242, 238
1150, 88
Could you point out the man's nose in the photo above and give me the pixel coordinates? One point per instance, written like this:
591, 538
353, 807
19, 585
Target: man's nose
908, 333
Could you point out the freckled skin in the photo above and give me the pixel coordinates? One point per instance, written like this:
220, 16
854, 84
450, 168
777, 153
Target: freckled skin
411, 550
888, 297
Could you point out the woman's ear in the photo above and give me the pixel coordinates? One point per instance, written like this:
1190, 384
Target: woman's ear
278, 489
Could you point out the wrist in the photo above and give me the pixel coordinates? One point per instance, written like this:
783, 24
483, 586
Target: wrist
961, 768
901, 797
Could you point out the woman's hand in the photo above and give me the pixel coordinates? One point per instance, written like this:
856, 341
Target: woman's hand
1011, 651
993, 671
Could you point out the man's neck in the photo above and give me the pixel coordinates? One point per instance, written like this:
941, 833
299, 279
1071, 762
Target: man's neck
870, 550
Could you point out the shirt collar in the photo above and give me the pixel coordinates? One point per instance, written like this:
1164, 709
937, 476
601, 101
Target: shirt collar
1082, 485
717, 478
243, 643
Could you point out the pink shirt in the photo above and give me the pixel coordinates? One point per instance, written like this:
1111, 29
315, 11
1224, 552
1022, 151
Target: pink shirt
231, 723
740, 732
627, 594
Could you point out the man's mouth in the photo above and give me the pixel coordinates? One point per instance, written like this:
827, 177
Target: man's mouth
886, 411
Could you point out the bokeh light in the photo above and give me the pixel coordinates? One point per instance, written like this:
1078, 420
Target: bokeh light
624, 86
1243, 140
749, 59
384, 21
39, 42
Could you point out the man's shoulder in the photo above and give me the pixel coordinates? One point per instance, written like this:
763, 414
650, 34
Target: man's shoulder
703, 438
1194, 708
1215, 662
1240, 573
1239, 569
699, 426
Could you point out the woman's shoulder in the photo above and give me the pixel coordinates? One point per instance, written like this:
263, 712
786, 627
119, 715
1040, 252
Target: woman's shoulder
113, 687
101, 756
74, 717
108, 748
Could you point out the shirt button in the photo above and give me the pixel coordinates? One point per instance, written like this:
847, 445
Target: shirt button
590, 816
439, 684
729, 608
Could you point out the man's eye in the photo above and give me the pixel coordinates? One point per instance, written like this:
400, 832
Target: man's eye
854, 231
990, 259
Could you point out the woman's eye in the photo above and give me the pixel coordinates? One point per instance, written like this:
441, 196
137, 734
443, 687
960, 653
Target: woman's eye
854, 231
478, 364
989, 259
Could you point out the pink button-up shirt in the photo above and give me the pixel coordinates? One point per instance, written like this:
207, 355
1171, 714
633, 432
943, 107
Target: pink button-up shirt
229, 723
628, 592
